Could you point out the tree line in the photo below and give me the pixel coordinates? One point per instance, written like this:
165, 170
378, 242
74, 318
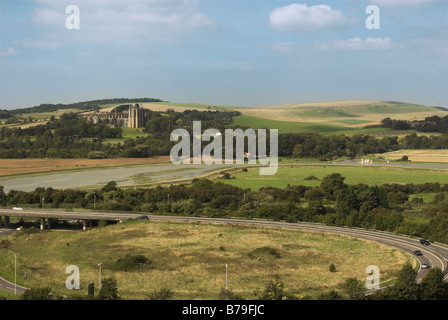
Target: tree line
332, 202
429, 124
85, 105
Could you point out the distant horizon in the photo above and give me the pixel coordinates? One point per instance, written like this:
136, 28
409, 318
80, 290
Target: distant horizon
135, 100
230, 53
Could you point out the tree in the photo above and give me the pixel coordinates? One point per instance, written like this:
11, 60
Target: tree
332, 268
297, 152
109, 289
110, 186
274, 291
405, 288
37, 294
433, 287
332, 183
353, 288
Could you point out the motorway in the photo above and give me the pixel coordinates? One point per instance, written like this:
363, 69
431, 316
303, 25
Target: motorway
435, 255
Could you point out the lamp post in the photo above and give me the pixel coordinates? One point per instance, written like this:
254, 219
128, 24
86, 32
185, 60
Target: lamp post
43, 199
226, 277
15, 273
99, 265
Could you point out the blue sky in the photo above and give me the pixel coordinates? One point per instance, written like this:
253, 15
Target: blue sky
223, 52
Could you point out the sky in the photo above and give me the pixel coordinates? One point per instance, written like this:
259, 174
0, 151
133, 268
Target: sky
223, 52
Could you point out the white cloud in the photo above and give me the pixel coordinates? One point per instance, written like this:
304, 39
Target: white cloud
8, 52
397, 3
282, 47
360, 44
40, 44
300, 17
127, 21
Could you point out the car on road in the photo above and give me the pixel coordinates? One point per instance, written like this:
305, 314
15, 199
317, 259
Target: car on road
425, 265
19, 228
17, 208
424, 241
417, 253
143, 218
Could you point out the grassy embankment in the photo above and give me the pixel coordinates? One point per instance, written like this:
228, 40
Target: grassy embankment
190, 259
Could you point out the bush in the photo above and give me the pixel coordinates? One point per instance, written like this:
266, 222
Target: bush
131, 263
332, 268
161, 294
227, 294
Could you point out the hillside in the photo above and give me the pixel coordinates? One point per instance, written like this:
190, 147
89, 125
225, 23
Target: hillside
329, 117
349, 113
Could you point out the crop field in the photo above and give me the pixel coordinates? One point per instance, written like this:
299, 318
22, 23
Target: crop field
297, 174
190, 259
22, 166
334, 117
368, 110
418, 155
323, 128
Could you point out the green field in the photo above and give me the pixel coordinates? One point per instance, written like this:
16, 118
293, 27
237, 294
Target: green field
190, 259
327, 118
379, 108
323, 128
295, 175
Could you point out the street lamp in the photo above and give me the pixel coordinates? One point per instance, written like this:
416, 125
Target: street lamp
15, 273
43, 199
99, 265
226, 277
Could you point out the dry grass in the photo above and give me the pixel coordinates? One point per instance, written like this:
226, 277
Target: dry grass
339, 110
17, 166
418, 155
190, 258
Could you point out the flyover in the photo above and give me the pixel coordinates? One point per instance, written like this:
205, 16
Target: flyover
46, 215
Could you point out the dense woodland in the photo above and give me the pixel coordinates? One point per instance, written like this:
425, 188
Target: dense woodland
429, 124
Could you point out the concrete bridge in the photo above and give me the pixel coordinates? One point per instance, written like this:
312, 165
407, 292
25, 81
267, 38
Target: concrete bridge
45, 216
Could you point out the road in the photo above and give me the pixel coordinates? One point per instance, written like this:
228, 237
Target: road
4, 284
436, 255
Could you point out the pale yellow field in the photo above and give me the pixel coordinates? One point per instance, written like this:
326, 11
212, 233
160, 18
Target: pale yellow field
418, 155
332, 111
